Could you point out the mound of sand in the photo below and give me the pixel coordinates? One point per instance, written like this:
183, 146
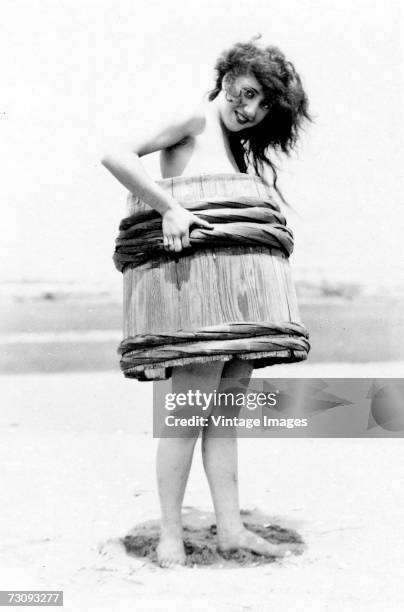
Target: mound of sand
200, 539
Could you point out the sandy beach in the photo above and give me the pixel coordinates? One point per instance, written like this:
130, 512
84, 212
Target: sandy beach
77, 459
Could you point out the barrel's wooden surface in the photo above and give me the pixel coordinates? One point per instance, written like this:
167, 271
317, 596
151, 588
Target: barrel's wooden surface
207, 289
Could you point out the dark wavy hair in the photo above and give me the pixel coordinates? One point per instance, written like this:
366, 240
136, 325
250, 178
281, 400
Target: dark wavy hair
283, 90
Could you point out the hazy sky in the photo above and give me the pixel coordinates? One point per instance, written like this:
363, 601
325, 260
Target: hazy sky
80, 75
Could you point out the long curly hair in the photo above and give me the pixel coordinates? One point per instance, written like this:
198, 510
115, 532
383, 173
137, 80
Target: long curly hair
283, 90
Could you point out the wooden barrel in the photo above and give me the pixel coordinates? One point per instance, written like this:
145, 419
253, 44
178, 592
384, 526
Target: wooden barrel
213, 303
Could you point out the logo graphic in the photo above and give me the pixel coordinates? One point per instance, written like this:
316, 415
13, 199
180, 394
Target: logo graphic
387, 406
305, 397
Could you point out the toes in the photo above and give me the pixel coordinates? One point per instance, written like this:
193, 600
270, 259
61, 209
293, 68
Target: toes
166, 563
170, 556
298, 548
286, 550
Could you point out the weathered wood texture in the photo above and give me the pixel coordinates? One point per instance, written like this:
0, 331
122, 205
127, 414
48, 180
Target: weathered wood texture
211, 304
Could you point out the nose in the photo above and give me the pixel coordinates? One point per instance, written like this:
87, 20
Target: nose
250, 108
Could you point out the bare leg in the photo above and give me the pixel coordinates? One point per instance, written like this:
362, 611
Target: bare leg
220, 463
174, 459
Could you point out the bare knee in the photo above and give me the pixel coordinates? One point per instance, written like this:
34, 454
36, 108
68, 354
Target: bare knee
192, 388
191, 394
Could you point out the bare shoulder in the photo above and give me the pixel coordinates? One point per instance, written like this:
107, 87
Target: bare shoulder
196, 118
184, 121
157, 134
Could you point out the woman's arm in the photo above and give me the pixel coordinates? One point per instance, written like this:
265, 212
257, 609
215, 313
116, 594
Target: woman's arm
124, 163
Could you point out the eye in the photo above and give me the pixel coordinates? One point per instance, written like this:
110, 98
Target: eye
248, 93
265, 105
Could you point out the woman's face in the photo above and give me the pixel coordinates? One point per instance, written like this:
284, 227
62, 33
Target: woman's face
242, 102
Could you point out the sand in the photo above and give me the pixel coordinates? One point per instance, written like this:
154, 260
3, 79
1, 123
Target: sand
77, 475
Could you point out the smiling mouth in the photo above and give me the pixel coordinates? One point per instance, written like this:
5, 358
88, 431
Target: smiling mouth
241, 120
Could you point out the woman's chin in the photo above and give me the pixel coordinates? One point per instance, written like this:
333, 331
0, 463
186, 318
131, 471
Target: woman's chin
233, 126
240, 130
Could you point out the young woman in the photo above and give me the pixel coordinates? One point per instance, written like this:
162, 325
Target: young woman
258, 105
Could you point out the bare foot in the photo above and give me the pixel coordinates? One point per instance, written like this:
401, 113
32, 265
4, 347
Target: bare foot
247, 540
170, 552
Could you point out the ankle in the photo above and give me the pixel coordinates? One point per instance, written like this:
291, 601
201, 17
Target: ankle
229, 531
171, 532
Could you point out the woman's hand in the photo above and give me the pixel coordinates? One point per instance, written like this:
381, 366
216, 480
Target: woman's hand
176, 224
